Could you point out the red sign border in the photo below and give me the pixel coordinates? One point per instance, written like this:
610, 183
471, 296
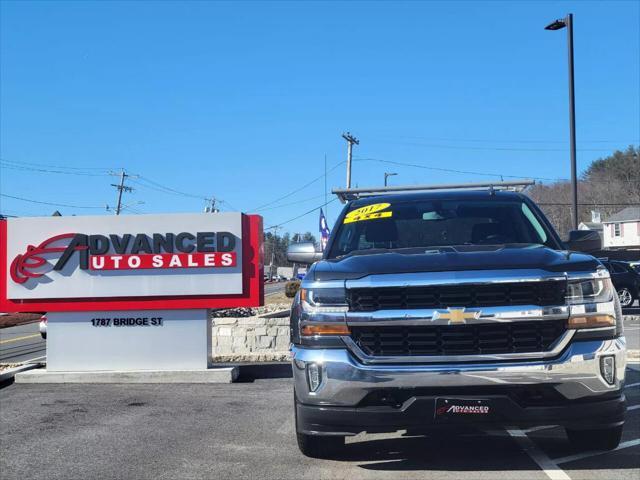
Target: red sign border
252, 284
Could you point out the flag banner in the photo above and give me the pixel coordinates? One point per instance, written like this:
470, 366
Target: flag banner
324, 231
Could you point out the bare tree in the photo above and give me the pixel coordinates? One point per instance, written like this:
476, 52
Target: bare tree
607, 186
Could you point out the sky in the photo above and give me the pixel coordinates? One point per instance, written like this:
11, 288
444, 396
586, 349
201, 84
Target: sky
243, 101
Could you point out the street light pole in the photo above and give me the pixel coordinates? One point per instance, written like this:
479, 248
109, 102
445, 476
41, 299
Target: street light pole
387, 175
558, 25
572, 124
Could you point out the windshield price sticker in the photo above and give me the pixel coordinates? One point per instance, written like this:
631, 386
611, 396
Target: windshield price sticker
370, 212
127, 322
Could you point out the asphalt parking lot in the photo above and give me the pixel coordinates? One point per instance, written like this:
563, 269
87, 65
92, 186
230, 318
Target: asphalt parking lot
246, 430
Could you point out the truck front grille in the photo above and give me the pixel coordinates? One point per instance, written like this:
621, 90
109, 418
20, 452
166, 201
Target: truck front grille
440, 340
545, 293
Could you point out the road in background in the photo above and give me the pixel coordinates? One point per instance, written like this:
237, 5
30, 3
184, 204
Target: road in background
632, 332
21, 344
275, 287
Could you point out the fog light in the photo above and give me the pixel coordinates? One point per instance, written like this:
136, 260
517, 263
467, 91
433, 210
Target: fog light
608, 369
314, 374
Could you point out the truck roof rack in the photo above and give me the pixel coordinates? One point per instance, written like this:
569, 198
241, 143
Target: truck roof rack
348, 194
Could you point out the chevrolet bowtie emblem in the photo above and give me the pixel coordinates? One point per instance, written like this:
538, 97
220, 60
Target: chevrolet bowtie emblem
456, 316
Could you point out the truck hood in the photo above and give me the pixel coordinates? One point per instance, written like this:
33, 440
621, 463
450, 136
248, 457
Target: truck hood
452, 259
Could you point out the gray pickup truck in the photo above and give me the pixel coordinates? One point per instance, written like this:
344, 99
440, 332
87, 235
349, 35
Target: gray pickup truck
430, 309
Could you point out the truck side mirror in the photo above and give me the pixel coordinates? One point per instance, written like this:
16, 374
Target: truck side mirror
583, 241
304, 252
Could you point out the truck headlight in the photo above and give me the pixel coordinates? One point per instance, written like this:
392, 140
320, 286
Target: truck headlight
591, 302
593, 290
324, 300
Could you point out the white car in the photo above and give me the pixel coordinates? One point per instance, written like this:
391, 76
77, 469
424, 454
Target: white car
43, 326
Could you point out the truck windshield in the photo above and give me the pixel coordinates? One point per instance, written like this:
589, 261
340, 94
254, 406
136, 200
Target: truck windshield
393, 226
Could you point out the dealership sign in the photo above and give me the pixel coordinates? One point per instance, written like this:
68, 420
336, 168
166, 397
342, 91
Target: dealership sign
131, 262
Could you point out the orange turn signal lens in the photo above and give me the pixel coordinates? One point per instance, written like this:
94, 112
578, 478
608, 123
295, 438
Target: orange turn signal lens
591, 321
325, 329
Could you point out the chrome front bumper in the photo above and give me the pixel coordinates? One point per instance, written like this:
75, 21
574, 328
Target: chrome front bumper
345, 381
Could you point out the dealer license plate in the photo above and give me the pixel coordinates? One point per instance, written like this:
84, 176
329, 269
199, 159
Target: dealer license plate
465, 409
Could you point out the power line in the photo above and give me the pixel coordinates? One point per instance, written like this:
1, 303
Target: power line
148, 183
229, 205
475, 140
153, 185
49, 203
297, 189
315, 197
506, 149
301, 215
132, 209
43, 170
63, 167
172, 190
450, 170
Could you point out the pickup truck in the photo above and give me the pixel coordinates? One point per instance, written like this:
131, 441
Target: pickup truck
436, 308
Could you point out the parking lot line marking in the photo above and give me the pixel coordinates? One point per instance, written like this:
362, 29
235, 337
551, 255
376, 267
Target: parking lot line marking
548, 466
19, 338
632, 385
580, 456
633, 407
34, 359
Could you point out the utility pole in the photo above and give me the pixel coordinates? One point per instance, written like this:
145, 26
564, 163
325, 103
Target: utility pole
273, 251
121, 188
326, 207
351, 140
211, 208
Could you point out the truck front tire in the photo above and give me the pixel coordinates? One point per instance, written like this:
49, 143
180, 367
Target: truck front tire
600, 439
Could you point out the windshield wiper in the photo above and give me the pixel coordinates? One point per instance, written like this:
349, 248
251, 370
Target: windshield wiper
365, 251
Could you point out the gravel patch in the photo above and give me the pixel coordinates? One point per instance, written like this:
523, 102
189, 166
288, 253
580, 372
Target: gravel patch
250, 312
7, 366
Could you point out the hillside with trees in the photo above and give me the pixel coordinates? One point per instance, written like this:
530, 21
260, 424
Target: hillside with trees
608, 185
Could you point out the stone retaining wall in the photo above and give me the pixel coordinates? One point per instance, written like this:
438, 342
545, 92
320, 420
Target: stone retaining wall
262, 339
249, 339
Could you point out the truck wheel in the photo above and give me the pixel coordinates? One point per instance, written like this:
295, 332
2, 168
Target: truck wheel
600, 439
625, 297
319, 446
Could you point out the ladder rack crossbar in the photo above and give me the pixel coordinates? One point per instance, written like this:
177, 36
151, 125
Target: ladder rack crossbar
347, 194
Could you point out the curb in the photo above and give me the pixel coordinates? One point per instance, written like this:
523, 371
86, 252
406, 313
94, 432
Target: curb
11, 372
633, 355
212, 375
252, 357
277, 314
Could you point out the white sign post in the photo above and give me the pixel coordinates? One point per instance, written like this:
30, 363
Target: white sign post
128, 340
